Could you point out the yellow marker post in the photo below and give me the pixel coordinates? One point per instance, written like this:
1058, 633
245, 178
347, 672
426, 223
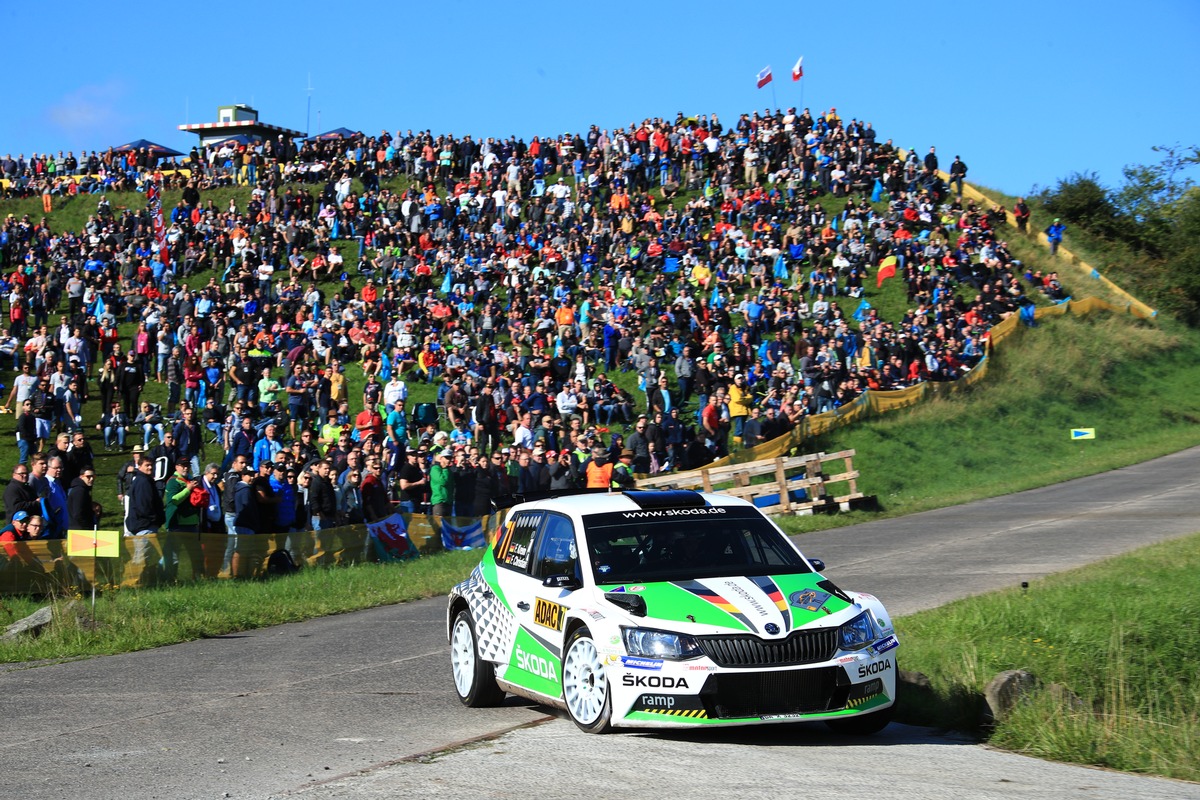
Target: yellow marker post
97, 544
1082, 433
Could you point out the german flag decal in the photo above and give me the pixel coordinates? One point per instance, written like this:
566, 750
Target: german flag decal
712, 596
772, 591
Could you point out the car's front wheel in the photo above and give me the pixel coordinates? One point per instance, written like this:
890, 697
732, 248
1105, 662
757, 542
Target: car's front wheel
474, 678
585, 684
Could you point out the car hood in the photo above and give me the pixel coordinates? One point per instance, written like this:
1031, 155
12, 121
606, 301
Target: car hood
766, 605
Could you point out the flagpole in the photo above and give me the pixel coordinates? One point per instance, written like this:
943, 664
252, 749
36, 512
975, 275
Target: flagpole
774, 102
95, 561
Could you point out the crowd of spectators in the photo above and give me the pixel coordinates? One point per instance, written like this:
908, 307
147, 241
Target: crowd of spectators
721, 267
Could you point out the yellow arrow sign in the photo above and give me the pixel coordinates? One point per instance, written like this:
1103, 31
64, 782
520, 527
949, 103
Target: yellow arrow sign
1082, 433
101, 544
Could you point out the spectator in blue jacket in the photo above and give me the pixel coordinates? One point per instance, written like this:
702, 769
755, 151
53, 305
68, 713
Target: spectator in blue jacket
1054, 234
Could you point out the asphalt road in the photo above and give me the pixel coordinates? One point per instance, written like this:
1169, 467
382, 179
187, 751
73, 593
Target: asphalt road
357, 704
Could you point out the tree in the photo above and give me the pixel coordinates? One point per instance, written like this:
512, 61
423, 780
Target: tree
1080, 199
1152, 194
1182, 264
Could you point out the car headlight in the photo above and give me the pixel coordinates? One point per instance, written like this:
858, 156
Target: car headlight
858, 632
660, 644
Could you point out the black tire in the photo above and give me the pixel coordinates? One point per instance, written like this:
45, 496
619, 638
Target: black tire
474, 679
585, 684
863, 725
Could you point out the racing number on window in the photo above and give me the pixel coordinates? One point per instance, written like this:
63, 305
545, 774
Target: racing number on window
513, 548
556, 550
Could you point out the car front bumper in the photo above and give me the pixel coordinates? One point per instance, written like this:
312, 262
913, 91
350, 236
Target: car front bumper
652, 693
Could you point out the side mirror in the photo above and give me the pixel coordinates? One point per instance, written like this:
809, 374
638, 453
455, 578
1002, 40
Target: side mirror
817, 564
567, 582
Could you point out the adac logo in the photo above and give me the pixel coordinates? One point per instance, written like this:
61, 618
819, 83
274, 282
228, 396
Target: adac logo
548, 615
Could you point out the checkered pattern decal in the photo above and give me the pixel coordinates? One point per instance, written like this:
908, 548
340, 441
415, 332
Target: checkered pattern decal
494, 622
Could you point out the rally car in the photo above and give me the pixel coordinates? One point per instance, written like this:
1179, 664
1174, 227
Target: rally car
666, 608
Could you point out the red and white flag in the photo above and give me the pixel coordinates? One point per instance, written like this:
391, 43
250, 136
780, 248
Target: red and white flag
798, 70
764, 77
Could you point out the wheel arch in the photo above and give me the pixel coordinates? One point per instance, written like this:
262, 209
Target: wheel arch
569, 627
457, 603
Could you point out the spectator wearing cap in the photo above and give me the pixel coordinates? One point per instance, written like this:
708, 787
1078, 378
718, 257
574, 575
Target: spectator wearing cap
145, 512
265, 495
21, 528
285, 490
330, 432
561, 470
567, 403
245, 507
623, 471
441, 485
1054, 235
181, 515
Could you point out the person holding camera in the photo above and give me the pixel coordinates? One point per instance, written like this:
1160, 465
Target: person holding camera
182, 514
562, 471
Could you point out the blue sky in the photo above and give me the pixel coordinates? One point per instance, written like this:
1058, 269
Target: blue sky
1025, 92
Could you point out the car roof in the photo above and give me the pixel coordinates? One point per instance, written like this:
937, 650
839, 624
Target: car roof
578, 505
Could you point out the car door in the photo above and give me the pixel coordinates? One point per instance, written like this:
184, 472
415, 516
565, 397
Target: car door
556, 556
534, 658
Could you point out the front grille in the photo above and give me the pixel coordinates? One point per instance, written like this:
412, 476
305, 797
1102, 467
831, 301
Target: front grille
802, 647
798, 691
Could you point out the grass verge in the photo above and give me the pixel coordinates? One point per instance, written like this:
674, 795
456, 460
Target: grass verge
1130, 696
139, 619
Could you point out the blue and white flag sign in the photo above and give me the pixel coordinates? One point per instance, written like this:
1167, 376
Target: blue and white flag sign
463, 537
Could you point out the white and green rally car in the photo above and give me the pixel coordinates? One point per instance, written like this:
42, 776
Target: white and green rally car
642, 608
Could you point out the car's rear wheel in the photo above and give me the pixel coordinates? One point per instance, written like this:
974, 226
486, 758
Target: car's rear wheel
585, 684
474, 678
864, 724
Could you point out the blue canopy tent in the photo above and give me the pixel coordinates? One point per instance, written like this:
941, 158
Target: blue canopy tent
336, 133
154, 149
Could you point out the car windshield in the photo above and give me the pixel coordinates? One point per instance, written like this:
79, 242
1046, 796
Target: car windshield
682, 543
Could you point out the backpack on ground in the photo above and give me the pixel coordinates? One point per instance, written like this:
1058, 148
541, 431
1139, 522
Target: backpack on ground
280, 562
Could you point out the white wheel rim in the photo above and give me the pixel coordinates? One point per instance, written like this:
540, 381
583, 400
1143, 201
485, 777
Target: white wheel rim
462, 657
585, 686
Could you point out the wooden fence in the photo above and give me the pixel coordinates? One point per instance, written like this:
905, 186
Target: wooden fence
808, 473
